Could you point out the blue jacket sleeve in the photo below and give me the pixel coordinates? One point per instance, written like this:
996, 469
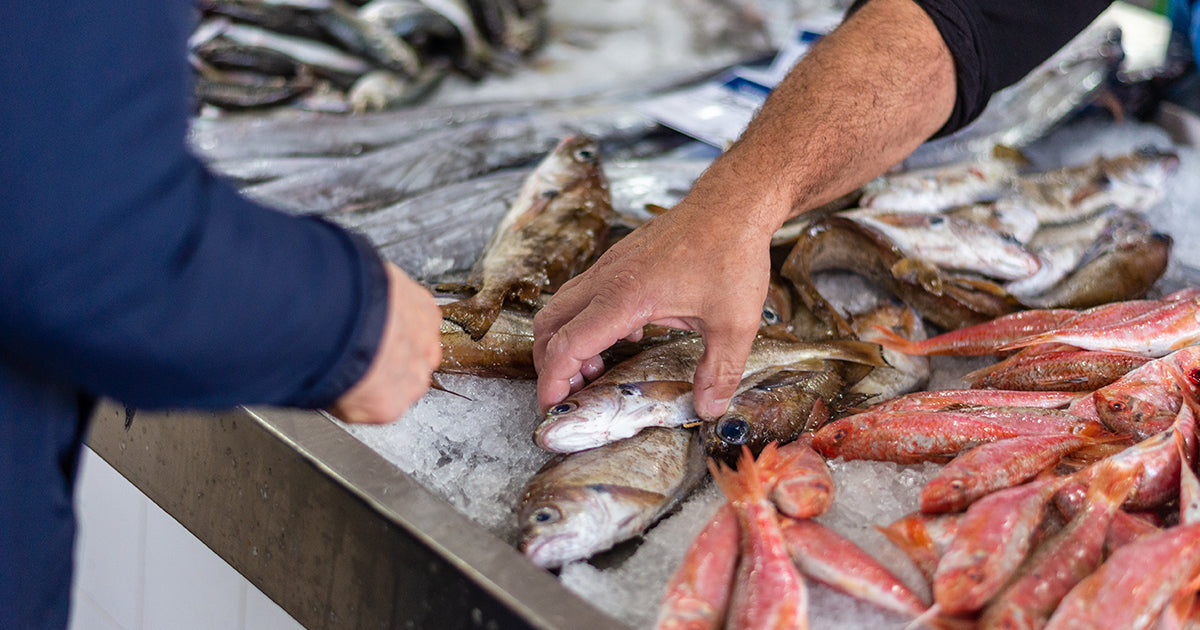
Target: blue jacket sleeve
127, 268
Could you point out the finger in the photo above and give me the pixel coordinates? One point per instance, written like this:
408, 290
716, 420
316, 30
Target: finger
581, 339
592, 368
720, 369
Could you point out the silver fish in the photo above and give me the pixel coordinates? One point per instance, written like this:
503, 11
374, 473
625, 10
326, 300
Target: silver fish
932, 190
583, 503
1060, 249
950, 242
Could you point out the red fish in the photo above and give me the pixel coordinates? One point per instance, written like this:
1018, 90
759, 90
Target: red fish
831, 559
993, 538
980, 339
697, 596
1061, 561
993, 466
1059, 370
797, 478
769, 591
1155, 333
959, 398
923, 537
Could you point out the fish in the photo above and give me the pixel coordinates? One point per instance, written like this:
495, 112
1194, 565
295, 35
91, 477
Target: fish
1131, 587
1123, 264
383, 89
1158, 458
1156, 333
581, 504
1058, 370
993, 538
697, 595
936, 400
923, 538
837, 243
829, 558
776, 409
797, 479
951, 242
1014, 221
1134, 181
554, 228
325, 60
994, 466
654, 388
245, 90
1143, 402
1062, 561
369, 40
769, 591
1061, 248
979, 339
907, 437
935, 189
505, 351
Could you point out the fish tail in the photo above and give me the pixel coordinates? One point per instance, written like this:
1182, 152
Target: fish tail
1031, 340
892, 340
743, 485
1112, 484
476, 313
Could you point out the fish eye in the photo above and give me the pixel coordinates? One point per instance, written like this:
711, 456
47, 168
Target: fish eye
936, 220
734, 430
1104, 179
769, 316
1194, 376
840, 435
561, 408
545, 515
1116, 406
958, 484
628, 390
585, 155
550, 193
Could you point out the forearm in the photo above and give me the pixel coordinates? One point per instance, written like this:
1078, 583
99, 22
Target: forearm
858, 103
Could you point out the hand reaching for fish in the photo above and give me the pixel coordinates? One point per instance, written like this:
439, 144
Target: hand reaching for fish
409, 351
674, 271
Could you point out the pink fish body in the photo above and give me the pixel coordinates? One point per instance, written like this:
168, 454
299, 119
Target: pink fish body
958, 398
769, 591
923, 537
980, 339
803, 487
1158, 332
697, 596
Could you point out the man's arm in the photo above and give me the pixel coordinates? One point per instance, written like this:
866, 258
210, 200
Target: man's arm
860, 101
132, 272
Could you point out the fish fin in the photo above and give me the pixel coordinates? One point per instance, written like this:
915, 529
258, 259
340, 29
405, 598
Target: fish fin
925, 618
434, 383
454, 288
656, 209
894, 341
636, 495
1031, 340
743, 485
535, 208
475, 314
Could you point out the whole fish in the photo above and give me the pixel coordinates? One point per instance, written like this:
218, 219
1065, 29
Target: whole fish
905, 373
951, 242
505, 351
915, 436
980, 339
1133, 182
1059, 370
993, 538
553, 230
697, 595
990, 467
654, 388
769, 591
324, 59
580, 504
1156, 333
829, 558
938, 188
837, 243
1061, 561
1142, 403
1015, 221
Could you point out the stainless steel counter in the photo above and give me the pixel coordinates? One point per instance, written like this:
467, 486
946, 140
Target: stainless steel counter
328, 529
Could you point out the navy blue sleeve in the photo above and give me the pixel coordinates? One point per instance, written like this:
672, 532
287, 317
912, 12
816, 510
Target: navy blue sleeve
127, 268
997, 42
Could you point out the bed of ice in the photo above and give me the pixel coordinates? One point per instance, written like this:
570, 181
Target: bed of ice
476, 451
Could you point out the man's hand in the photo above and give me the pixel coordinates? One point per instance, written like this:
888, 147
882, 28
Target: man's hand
683, 269
409, 351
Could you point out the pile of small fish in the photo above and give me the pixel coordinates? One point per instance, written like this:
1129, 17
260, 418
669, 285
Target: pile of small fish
345, 55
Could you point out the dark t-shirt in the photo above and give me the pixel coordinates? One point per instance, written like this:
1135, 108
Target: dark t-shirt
996, 42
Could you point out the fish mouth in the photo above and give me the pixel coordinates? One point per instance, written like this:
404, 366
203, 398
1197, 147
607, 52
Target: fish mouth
540, 552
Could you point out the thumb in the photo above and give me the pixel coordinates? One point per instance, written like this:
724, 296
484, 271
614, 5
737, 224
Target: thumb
720, 369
